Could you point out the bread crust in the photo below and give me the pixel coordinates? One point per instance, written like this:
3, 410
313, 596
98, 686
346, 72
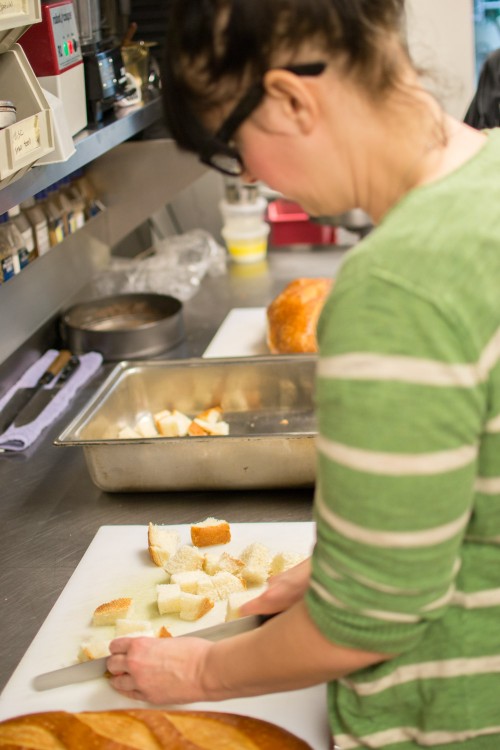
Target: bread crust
206, 536
292, 317
138, 729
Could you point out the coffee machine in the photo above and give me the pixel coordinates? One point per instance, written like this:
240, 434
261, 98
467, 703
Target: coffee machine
105, 78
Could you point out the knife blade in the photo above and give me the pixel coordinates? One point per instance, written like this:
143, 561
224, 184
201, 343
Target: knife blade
23, 395
89, 670
42, 398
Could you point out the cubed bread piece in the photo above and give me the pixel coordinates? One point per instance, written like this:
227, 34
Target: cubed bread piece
129, 627
212, 415
186, 558
194, 606
210, 531
145, 426
189, 580
214, 563
127, 433
284, 561
94, 648
164, 633
196, 430
172, 423
162, 543
109, 612
257, 558
168, 598
226, 584
207, 587
238, 598
212, 428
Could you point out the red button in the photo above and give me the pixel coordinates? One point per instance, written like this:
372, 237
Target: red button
70, 46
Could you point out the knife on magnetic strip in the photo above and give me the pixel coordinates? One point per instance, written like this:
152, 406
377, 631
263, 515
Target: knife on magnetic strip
89, 670
42, 398
22, 396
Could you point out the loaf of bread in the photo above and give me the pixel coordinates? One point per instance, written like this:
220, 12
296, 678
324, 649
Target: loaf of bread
143, 729
292, 317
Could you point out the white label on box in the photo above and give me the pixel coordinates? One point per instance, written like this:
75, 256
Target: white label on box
11, 8
24, 138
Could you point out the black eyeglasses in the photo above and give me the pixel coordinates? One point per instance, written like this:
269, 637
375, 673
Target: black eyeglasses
217, 152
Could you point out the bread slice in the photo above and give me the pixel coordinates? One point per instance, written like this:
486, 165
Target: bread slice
109, 612
168, 598
189, 580
210, 531
257, 558
194, 606
162, 543
185, 558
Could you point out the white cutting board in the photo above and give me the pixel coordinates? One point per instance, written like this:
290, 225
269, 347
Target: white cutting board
242, 333
117, 564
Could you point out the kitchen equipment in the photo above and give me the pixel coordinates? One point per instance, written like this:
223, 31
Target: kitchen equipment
267, 401
291, 225
124, 326
44, 396
136, 58
105, 81
117, 561
242, 333
53, 49
7, 113
22, 396
248, 244
89, 670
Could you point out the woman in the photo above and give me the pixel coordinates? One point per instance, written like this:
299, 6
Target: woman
399, 609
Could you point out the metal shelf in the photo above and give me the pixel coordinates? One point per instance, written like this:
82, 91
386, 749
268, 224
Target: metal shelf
89, 144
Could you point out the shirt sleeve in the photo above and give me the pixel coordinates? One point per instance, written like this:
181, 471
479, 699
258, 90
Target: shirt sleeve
399, 409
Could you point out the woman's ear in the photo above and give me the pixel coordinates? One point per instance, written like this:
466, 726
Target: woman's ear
291, 103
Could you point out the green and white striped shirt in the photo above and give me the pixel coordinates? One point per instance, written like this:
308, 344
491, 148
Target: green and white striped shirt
407, 503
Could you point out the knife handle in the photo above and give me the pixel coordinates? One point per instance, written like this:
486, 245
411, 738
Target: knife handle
57, 365
68, 370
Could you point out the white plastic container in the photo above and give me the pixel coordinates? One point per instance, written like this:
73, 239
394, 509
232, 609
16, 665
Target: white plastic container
15, 17
246, 245
31, 136
243, 216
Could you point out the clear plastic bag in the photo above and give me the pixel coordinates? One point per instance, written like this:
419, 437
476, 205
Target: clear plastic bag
175, 265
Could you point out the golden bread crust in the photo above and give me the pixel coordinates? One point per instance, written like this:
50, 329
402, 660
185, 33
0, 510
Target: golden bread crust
292, 317
144, 729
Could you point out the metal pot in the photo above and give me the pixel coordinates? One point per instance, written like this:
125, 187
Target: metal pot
124, 326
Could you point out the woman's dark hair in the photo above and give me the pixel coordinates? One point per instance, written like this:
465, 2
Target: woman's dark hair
215, 47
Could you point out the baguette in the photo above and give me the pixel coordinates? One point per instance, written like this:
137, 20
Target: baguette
162, 543
143, 729
109, 612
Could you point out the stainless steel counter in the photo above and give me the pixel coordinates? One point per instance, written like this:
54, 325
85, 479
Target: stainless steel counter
50, 510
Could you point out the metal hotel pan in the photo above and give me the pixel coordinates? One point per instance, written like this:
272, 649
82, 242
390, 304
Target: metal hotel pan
267, 401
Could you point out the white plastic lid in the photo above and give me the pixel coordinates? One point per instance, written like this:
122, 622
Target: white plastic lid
260, 230
243, 208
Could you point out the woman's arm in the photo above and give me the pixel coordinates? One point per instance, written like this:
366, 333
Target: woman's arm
287, 653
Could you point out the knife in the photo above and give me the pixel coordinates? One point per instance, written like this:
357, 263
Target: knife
42, 398
22, 396
88, 670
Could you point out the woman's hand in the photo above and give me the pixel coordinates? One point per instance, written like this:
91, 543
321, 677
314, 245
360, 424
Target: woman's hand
159, 670
284, 589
